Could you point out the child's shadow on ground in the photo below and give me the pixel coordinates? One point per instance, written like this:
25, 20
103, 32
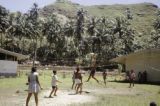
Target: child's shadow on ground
48, 97
72, 94
87, 92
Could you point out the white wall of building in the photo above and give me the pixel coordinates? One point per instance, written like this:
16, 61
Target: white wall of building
8, 67
146, 61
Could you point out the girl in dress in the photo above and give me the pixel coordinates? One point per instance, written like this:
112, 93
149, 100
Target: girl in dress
34, 86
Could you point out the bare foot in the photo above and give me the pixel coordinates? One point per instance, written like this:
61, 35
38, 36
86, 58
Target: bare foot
80, 92
50, 97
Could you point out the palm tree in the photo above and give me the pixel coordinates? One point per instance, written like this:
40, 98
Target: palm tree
99, 30
34, 28
3, 22
92, 27
16, 29
156, 35
126, 35
53, 32
69, 30
79, 26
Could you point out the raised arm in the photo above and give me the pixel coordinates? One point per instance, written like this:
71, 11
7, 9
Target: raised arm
81, 78
58, 81
28, 81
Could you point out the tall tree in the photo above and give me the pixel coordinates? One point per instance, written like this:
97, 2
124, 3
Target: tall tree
125, 34
55, 37
3, 22
69, 32
34, 28
79, 26
155, 39
16, 30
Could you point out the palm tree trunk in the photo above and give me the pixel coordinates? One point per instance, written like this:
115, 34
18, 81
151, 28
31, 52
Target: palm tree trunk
22, 49
35, 53
1, 39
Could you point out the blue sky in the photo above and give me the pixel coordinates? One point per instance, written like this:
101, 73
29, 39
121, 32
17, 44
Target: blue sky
25, 5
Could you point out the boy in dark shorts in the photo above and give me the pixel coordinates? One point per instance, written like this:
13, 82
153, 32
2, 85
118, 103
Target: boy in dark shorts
104, 74
132, 78
54, 84
92, 74
78, 81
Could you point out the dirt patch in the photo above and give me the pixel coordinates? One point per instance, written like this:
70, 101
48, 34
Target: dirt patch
118, 91
64, 98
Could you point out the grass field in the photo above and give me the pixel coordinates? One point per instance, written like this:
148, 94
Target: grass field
114, 94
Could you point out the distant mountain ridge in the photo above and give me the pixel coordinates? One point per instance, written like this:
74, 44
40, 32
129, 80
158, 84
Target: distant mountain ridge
144, 14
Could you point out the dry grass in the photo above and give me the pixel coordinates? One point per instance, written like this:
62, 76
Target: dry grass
114, 94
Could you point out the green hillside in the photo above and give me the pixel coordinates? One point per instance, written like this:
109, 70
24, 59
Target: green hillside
143, 14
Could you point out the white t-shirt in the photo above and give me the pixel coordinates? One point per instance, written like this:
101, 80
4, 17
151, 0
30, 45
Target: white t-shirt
54, 80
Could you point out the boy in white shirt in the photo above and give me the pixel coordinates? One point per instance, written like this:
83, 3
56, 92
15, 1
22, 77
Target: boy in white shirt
54, 84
